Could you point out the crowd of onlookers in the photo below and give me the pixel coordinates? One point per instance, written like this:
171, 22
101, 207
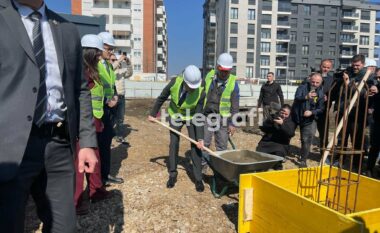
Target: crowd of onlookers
323, 96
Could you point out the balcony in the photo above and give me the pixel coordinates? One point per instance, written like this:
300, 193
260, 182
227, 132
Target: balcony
350, 28
160, 11
344, 65
284, 8
121, 5
266, 22
283, 37
160, 24
284, 23
101, 4
122, 43
350, 15
282, 50
349, 40
267, 8
347, 54
281, 63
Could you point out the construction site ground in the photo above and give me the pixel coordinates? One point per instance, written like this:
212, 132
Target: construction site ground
143, 203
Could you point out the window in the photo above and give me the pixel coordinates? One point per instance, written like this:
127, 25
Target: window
333, 24
234, 28
364, 27
293, 23
332, 50
251, 2
234, 13
306, 9
293, 36
317, 62
267, 5
321, 11
137, 54
294, 9
291, 73
366, 15
137, 67
319, 36
305, 62
292, 62
318, 50
306, 23
251, 29
233, 55
265, 33
292, 49
332, 37
266, 19
334, 11
364, 40
364, 51
249, 72
250, 57
320, 24
233, 42
306, 36
250, 43
265, 47
263, 73
264, 60
305, 49
251, 14
235, 1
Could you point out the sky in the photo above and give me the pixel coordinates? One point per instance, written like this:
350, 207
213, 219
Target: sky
184, 28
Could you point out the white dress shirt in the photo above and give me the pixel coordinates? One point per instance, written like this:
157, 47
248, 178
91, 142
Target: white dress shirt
56, 106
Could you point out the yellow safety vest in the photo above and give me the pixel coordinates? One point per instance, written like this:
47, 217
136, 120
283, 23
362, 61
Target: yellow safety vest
225, 99
190, 102
108, 79
97, 100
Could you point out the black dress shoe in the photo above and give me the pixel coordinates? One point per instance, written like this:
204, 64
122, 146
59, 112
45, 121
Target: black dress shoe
199, 186
114, 180
171, 182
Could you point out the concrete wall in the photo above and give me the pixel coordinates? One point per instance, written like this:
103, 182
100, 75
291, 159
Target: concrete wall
135, 89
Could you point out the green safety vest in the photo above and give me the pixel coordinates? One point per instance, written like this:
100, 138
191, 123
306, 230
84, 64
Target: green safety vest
190, 102
225, 100
97, 100
108, 79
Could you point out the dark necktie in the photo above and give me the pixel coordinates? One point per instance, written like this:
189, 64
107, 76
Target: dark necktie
107, 67
39, 53
182, 98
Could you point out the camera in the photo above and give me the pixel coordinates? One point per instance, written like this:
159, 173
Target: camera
274, 111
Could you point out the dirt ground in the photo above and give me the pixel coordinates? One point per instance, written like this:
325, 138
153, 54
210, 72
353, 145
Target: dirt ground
143, 203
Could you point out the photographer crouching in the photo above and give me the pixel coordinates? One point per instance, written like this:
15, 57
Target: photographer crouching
279, 129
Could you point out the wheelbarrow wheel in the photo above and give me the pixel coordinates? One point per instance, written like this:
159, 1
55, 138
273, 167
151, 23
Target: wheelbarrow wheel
214, 185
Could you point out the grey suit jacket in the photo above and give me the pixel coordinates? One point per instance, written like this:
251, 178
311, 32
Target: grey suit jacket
19, 79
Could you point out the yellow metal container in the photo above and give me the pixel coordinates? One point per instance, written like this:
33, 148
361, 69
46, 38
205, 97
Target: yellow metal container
286, 201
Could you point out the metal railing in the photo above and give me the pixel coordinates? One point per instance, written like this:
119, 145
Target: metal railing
350, 27
350, 14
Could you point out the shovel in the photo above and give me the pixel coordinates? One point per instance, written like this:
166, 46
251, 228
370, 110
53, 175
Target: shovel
185, 136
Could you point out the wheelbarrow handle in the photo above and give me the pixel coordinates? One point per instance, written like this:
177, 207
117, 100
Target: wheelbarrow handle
185, 136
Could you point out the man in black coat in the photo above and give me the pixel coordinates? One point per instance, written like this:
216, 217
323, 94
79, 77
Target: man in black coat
45, 108
270, 92
278, 130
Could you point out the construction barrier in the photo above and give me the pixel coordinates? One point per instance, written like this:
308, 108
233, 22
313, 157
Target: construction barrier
286, 201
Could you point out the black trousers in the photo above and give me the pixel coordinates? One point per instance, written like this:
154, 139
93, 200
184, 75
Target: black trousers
196, 154
104, 143
375, 146
46, 172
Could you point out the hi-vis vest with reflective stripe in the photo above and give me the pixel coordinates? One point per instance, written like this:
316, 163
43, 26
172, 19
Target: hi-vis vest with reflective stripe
190, 102
225, 99
108, 80
97, 100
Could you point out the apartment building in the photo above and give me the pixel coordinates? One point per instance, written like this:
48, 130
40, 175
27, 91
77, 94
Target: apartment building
139, 29
288, 37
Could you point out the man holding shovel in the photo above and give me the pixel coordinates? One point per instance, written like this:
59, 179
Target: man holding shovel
187, 98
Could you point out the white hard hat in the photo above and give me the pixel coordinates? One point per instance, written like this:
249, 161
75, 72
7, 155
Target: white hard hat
225, 61
370, 62
92, 41
107, 38
192, 76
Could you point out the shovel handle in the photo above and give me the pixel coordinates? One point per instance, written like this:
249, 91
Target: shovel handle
185, 136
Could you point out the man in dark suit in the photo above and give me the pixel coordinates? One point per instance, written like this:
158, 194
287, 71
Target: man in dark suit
45, 107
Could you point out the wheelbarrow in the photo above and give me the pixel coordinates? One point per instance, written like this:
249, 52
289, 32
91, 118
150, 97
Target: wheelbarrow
229, 164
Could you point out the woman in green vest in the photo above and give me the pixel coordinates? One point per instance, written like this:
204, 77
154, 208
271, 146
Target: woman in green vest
92, 47
187, 95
